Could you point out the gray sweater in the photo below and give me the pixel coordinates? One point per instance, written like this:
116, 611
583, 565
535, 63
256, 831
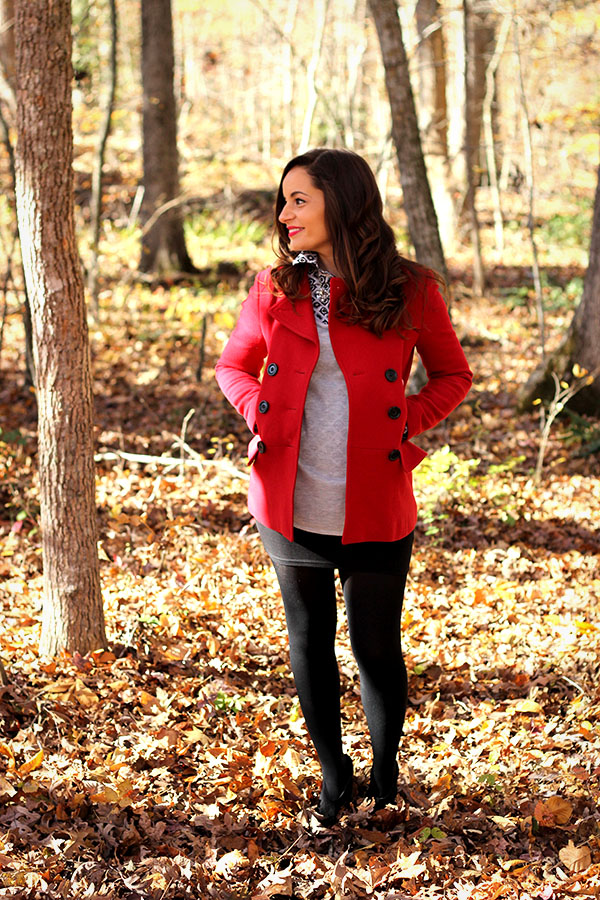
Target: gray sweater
320, 492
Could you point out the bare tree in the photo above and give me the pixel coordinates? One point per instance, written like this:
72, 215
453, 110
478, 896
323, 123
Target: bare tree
530, 177
96, 198
311, 72
72, 615
418, 204
163, 244
488, 129
7, 51
287, 78
433, 112
579, 353
7, 119
472, 128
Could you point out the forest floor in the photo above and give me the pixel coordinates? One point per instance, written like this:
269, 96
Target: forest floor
175, 763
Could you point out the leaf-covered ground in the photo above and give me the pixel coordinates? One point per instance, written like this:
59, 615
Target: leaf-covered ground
176, 764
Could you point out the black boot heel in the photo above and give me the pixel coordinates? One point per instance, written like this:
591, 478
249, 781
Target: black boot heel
329, 807
388, 796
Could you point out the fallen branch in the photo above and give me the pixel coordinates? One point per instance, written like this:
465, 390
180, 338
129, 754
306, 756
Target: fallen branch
171, 462
563, 392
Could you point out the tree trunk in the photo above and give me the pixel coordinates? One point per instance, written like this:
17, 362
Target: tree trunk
528, 159
488, 129
320, 17
472, 130
454, 33
585, 329
420, 211
433, 115
72, 616
580, 348
479, 33
7, 118
354, 65
163, 245
287, 80
96, 198
7, 50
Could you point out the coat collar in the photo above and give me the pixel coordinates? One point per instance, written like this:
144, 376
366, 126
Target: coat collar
299, 316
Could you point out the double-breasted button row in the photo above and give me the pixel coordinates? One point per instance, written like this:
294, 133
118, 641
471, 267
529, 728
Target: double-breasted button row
394, 412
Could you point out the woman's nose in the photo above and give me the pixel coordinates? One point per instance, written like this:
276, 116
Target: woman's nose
284, 215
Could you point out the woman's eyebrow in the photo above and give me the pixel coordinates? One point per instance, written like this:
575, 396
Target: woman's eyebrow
293, 194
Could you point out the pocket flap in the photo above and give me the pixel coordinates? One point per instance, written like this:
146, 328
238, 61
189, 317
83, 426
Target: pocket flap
411, 455
253, 449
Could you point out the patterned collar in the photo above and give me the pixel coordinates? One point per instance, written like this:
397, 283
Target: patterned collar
306, 256
312, 259
319, 281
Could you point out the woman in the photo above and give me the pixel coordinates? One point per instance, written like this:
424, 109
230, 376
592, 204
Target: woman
337, 321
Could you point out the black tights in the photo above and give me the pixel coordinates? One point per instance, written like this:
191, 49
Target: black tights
374, 608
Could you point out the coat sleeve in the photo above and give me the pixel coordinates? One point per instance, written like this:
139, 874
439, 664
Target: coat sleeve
238, 370
448, 373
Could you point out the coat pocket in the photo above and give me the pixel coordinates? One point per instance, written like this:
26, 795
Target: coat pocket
253, 450
411, 455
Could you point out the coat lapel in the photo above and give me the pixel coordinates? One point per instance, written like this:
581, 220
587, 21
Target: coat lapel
297, 316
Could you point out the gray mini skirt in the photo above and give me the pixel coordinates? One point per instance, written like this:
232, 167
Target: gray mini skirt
327, 551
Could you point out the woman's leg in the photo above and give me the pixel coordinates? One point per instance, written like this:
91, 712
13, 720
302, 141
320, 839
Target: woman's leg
310, 608
374, 608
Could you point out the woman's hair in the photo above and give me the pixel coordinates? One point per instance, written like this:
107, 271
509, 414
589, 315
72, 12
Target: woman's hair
364, 248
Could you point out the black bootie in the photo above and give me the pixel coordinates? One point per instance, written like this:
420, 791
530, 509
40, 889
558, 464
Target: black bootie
388, 795
329, 807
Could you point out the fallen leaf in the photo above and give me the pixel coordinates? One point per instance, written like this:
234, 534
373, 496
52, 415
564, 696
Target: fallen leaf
84, 695
408, 866
576, 859
529, 706
148, 702
277, 883
231, 862
6, 751
106, 795
31, 764
561, 810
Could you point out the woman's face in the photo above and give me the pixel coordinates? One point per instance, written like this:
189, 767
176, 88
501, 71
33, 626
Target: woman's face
304, 214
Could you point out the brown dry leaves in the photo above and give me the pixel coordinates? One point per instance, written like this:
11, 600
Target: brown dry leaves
176, 764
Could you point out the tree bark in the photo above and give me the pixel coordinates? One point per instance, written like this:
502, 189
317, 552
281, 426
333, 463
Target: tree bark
72, 617
96, 198
488, 130
163, 246
433, 115
472, 130
320, 17
7, 119
418, 204
581, 345
7, 50
287, 80
479, 34
528, 159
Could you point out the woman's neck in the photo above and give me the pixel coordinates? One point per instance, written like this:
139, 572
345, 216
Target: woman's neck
326, 262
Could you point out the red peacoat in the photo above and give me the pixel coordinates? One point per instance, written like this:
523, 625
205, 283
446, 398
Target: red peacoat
380, 504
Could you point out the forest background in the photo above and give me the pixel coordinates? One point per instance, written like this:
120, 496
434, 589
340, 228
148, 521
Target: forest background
174, 761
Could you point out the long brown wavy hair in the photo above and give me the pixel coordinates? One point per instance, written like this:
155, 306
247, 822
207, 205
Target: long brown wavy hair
364, 248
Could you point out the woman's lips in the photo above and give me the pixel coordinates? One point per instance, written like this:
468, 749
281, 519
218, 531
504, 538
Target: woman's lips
293, 231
